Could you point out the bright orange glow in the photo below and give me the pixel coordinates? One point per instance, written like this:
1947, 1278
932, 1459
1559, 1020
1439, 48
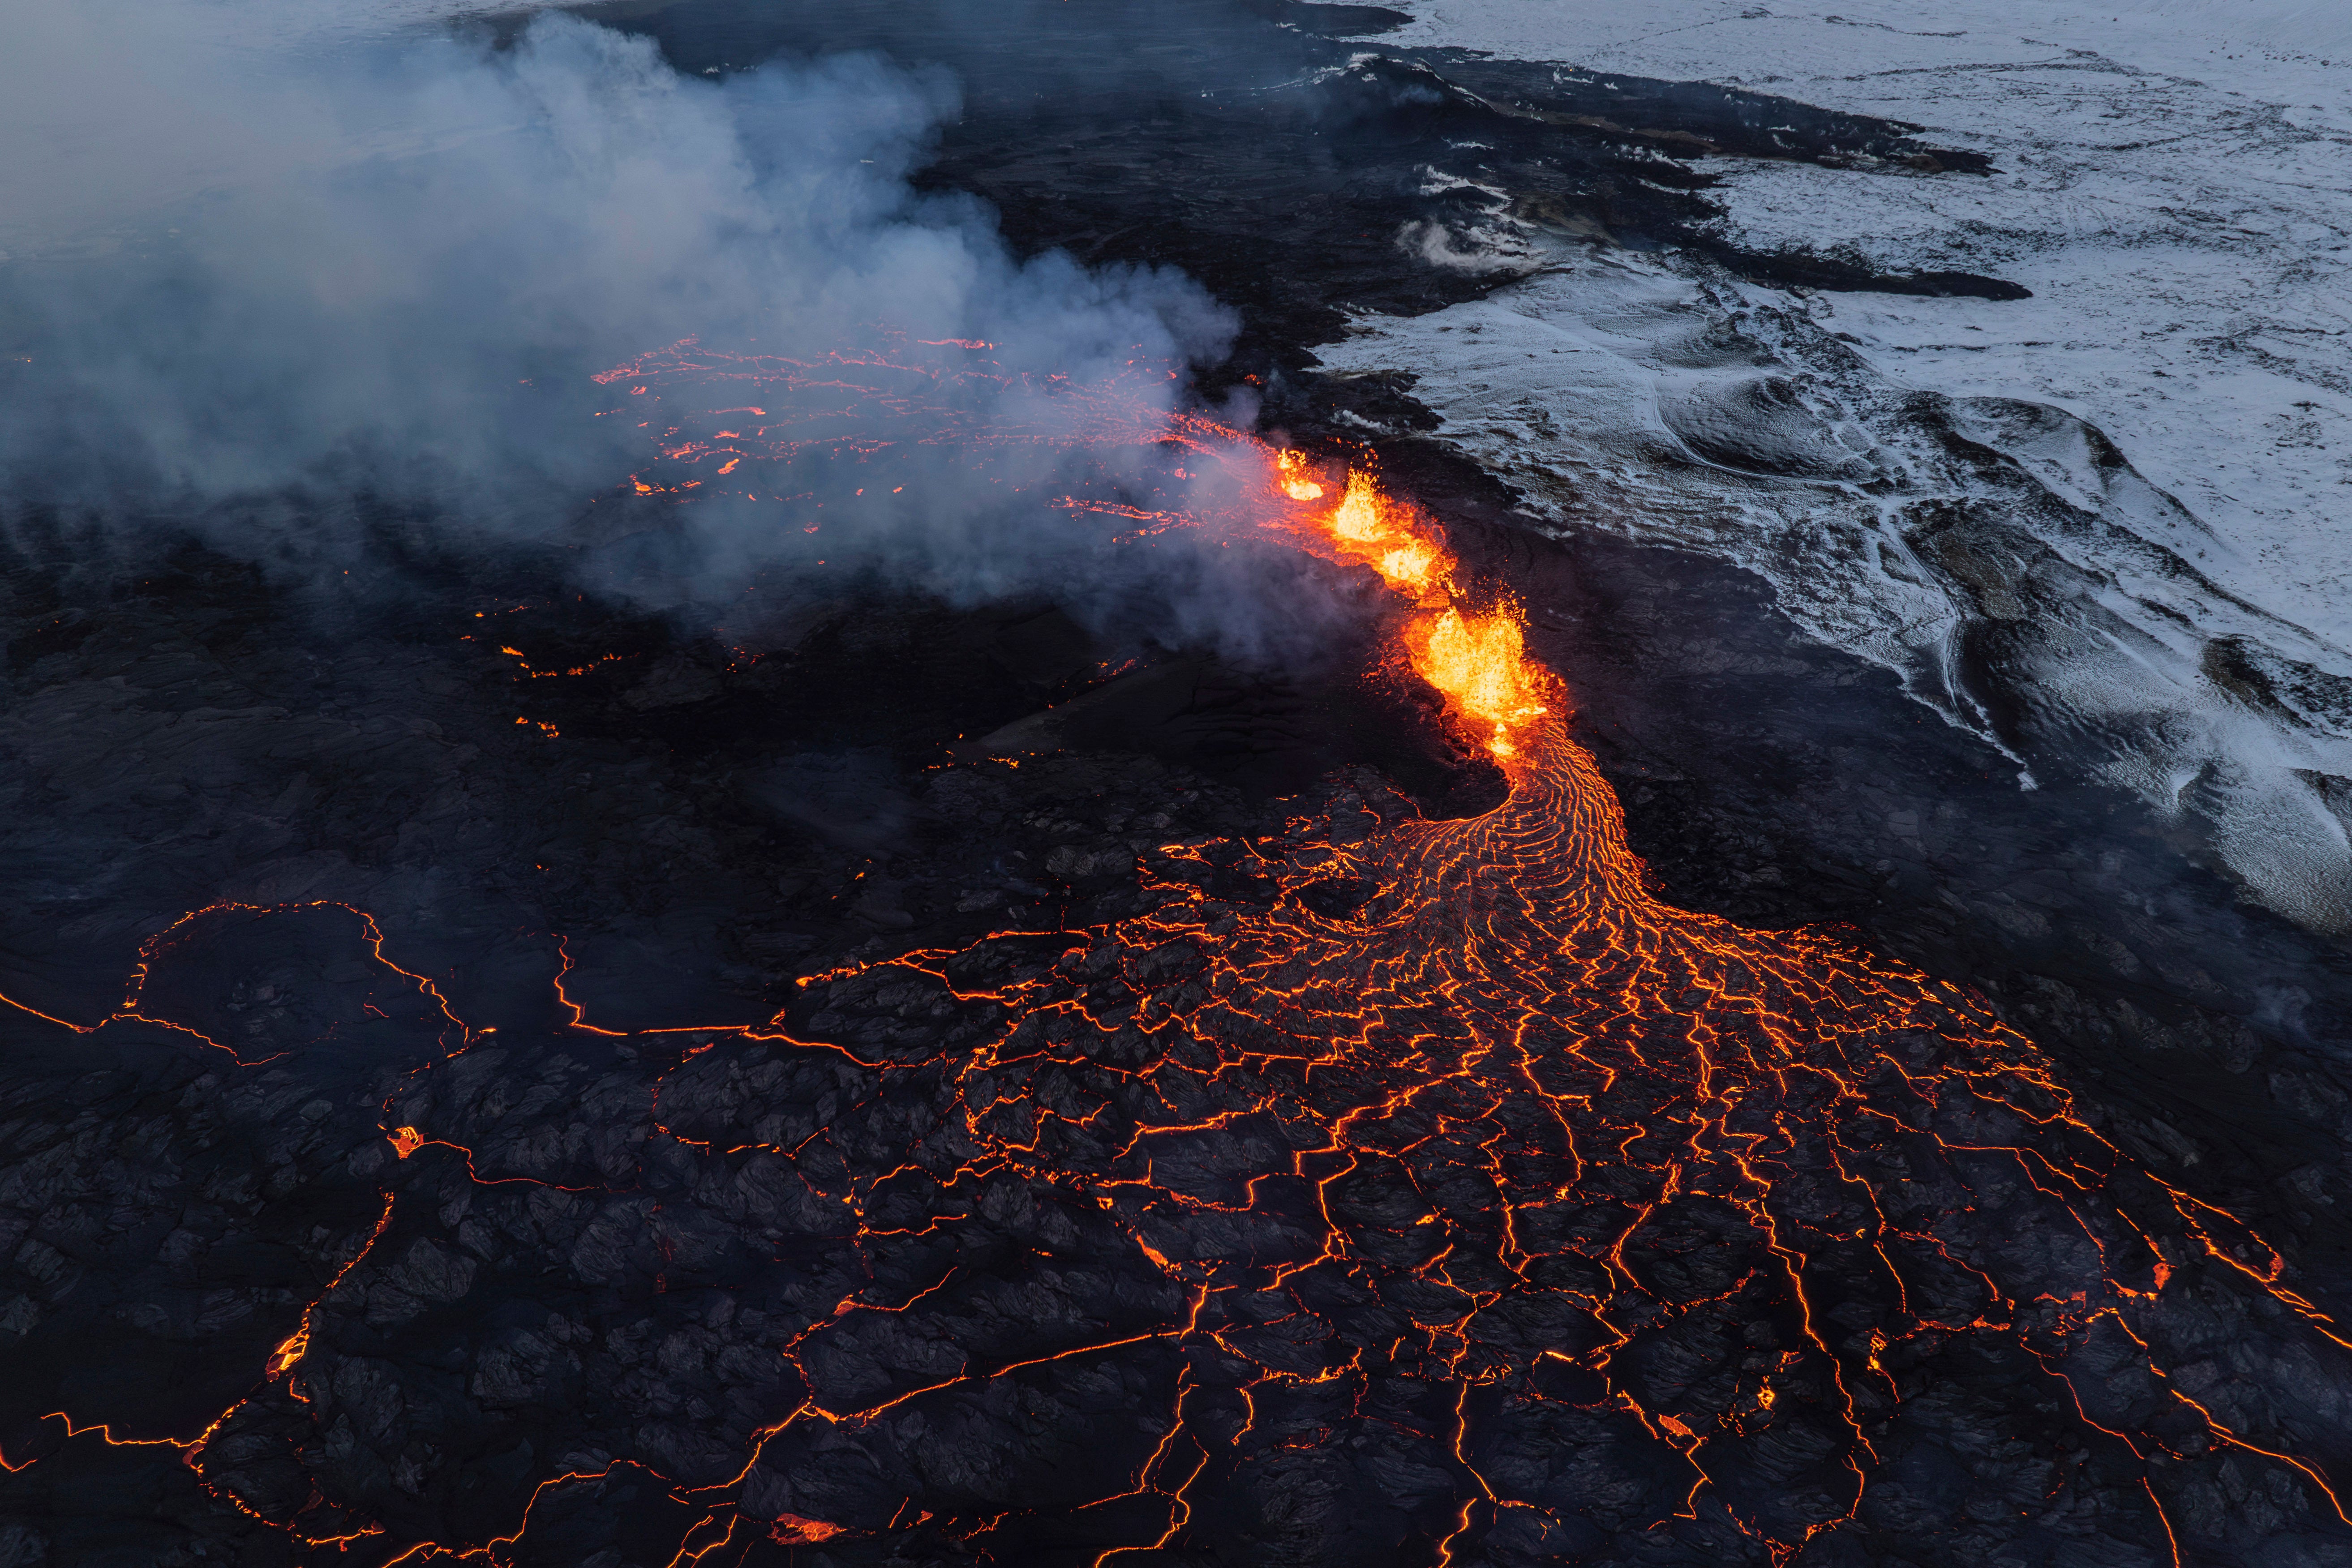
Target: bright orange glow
1294, 481
1480, 662
297, 1345
289, 1351
1393, 539
1477, 659
791, 1530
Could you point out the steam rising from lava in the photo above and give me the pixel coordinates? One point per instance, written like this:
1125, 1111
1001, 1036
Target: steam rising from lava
948, 467
407, 255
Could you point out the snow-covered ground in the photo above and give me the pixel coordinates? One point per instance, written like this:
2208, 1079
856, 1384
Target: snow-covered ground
2175, 185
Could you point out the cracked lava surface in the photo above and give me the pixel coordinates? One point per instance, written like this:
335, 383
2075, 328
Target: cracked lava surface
1384, 1190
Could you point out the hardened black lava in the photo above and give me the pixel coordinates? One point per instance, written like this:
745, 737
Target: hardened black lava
1302, 172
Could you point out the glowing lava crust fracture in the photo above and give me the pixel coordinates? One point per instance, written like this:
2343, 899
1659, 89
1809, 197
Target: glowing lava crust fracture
1441, 1151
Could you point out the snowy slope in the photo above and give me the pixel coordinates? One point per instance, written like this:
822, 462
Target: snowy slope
2110, 525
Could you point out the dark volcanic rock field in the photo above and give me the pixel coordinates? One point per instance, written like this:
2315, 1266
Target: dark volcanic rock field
448, 1113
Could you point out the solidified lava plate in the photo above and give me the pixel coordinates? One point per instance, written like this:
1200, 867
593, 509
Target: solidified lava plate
1141, 1039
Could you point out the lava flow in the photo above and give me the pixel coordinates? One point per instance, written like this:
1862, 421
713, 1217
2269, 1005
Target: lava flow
1451, 1137
1391, 1190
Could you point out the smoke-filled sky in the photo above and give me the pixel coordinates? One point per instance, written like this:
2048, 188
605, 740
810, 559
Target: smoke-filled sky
256, 255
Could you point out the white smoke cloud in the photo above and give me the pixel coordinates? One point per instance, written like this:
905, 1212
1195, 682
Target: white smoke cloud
255, 258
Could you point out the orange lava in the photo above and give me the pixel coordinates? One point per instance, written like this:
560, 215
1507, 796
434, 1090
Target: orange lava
1505, 1090
1477, 658
1480, 663
1387, 536
1294, 481
1513, 991
791, 1530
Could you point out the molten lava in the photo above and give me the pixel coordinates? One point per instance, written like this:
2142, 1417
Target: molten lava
1480, 663
1294, 481
1477, 659
1393, 539
1443, 1142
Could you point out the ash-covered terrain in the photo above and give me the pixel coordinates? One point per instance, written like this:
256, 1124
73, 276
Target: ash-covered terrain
675, 1024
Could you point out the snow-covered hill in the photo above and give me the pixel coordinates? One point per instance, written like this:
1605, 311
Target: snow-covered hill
2109, 526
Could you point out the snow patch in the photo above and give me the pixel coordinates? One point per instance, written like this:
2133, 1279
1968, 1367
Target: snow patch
2000, 554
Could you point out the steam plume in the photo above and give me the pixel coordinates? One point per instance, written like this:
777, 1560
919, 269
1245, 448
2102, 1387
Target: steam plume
389, 265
